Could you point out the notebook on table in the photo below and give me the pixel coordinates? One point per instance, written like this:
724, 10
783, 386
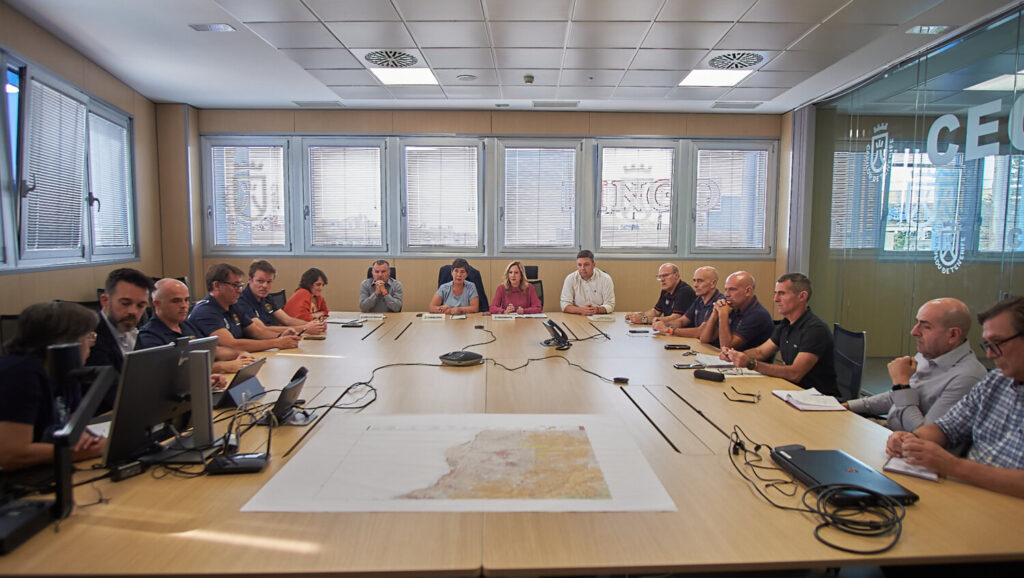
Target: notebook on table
819, 467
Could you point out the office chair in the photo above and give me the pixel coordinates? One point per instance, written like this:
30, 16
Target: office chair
444, 275
8, 330
394, 273
278, 298
850, 356
538, 285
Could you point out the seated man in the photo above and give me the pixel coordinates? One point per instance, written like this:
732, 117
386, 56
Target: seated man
170, 309
589, 290
214, 315
803, 340
747, 322
124, 300
690, 324
676, 297
381, 293
943, 371
254, 302
989, 418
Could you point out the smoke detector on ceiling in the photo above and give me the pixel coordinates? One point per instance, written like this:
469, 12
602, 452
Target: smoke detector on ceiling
736, 60
390, 59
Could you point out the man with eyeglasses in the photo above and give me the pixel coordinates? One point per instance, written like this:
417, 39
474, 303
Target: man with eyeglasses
124, 301
989, 417
169, 322
676, 297
943, 371
690, 324
255, 302
215, 316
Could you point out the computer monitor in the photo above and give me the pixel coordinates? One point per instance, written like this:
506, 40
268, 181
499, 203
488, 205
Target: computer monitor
154, 404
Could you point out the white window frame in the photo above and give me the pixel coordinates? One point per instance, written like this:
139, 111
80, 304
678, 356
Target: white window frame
677, 146
291, 201
403, 144
15, 256
303, 222
499, 195
770, 203
7, 240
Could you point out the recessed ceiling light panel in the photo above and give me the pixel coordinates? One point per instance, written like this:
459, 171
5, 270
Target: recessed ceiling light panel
714, 77
404, 76
212, 27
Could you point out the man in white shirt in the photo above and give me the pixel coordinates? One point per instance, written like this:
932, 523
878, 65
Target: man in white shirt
589, 290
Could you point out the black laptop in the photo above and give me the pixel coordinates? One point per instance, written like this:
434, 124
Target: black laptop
817, 467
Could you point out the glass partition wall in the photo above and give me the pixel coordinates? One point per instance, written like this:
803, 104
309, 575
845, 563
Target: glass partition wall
918, 174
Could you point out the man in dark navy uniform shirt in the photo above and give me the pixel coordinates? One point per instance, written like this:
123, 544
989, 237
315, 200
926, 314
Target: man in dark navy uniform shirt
690, 323
170, 309
255, 303
214, 315
802, 340
676, 297
748, 322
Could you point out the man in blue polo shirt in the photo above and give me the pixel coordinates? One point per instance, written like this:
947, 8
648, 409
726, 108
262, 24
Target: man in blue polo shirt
170, 309
676, 297
748, 323
255, 303
235, 329
802, 339
691, 323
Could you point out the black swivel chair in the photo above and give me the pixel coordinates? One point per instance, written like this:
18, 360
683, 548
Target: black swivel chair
445, 275
8, 330
394, 273
850, 356
278, 298
538, 285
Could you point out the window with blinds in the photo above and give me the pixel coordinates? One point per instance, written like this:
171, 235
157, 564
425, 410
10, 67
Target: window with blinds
345, 196
856, 203
54, 174
731, 198
1001, 226
110, 185
637, 198
442, 196
539, 197
248, 207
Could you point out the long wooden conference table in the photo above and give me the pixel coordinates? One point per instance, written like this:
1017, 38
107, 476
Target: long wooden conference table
194, 526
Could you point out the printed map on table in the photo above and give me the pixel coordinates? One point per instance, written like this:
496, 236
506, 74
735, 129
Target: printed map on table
472, 462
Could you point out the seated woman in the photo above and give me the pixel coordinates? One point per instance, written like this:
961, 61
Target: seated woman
515, 295
29, 406
456, 296
307, 303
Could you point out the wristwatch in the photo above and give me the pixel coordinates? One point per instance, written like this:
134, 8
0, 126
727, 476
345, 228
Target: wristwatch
644, 320
752, 364
899, 386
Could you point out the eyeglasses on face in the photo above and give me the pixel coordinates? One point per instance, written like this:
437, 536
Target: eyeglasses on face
996, 345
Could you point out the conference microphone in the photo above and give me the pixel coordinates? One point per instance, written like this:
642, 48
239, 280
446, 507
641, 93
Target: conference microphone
709, 375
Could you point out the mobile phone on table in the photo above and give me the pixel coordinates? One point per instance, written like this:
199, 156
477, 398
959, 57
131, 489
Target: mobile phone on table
688, 365
639, 331
677, 346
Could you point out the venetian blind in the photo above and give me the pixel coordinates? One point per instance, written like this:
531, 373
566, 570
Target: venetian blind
539, 197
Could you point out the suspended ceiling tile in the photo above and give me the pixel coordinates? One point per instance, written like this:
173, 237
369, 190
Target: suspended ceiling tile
806, 11
749, 94
598, 58
459, 57
353, 10
770, 79
449, 34
440, 9
652, 78
801, 61
416, 91
615, 10
702, 10
322, 57
525, 92
461, 92
606, 34
840, 39
528, 9
372, 34
268, 10
528, 57
514, 76
666, 59
449, 77
350, 77
764, 36
685, 34
640, 92
585, 77
362, 92
528, 34
883, 11
697, 92
584, 92
295, 34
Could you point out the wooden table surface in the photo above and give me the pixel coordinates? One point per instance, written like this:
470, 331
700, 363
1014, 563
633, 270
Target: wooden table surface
178, 526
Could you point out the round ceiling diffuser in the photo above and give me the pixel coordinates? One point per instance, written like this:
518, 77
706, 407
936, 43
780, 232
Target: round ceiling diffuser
391, 58
734, 60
